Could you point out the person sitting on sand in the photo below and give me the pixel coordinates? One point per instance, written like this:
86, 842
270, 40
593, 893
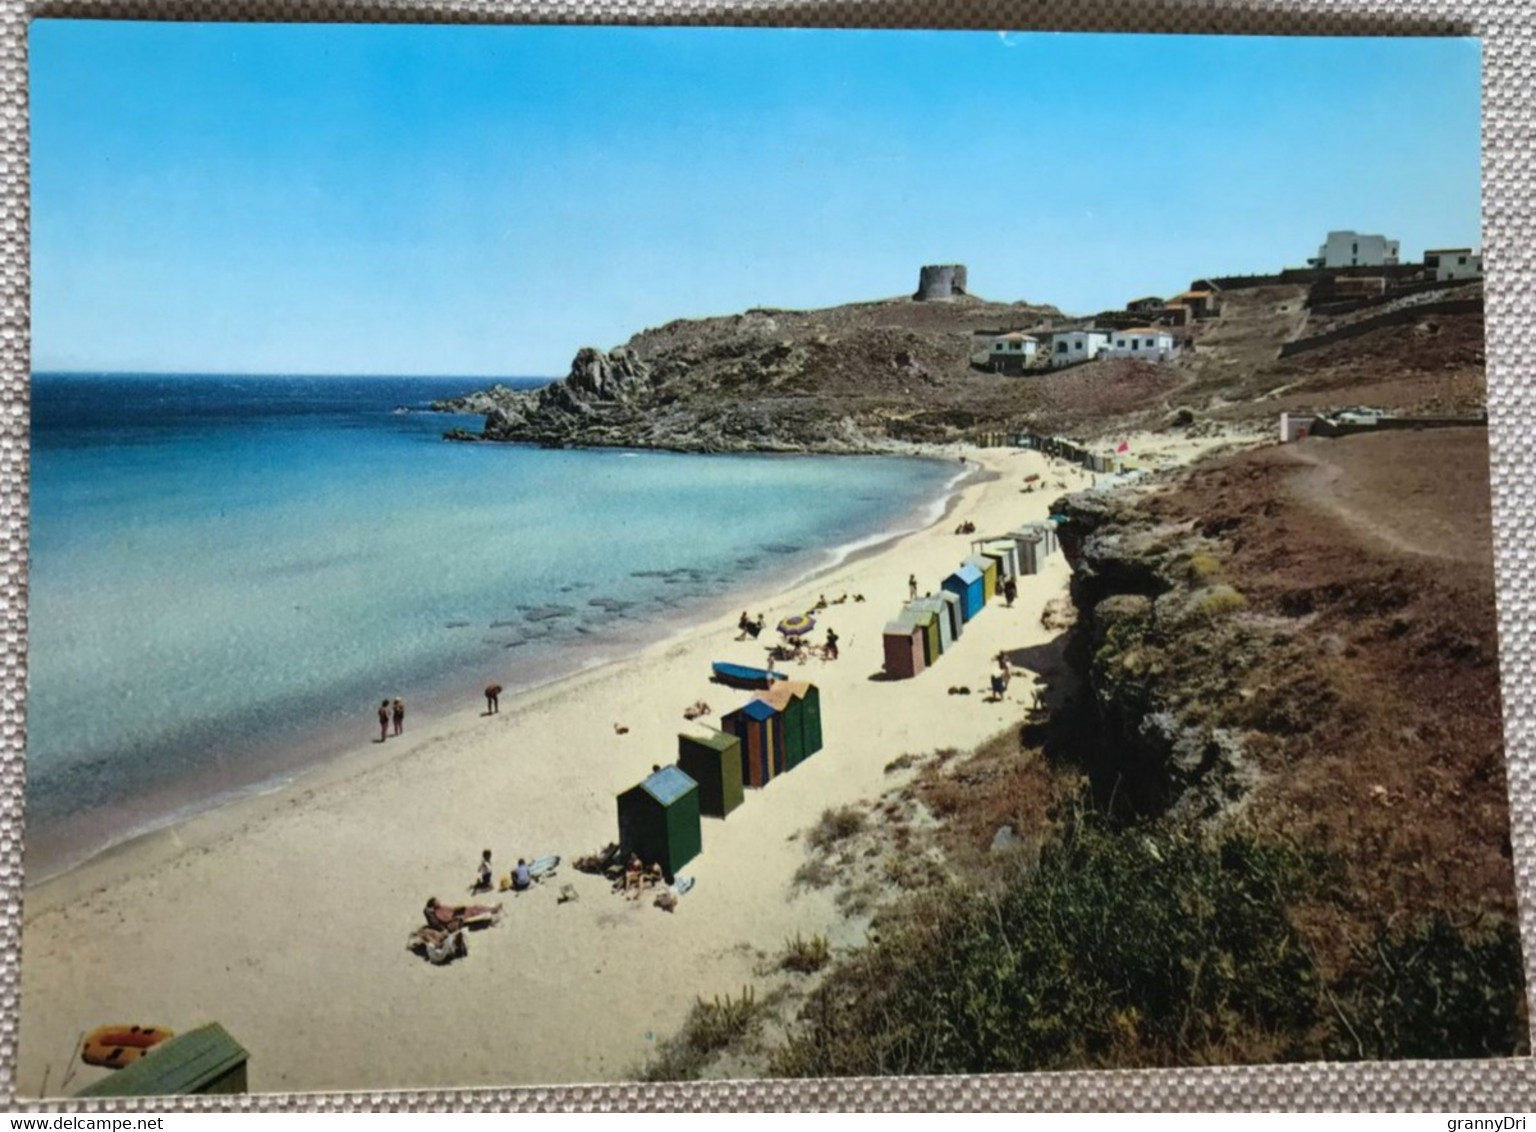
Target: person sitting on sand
697, 710
634, 875
858, 597
483, 874
521, 878
653, 875
444, 918
821, 602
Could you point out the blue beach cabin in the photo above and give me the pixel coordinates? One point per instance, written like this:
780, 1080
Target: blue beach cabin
966, 584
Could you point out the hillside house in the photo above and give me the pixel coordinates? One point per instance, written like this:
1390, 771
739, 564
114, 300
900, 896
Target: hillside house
1012, 353
1069, 346
1453, 263
1200, 302
1174, 314
1351, 249
1145, 305
1149, 343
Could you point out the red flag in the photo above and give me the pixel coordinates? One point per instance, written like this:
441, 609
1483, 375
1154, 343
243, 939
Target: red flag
1125, 446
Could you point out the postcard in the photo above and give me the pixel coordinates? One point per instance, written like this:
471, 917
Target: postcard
593, 554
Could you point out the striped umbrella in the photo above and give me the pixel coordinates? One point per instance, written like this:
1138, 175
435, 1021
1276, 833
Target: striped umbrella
797, 625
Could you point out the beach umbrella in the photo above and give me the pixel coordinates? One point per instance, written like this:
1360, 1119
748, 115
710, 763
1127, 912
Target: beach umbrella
797, 625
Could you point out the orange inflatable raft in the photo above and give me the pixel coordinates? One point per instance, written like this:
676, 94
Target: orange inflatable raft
115, 1046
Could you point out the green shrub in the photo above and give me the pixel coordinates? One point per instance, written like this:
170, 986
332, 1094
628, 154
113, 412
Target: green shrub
834, 826
1202, 568
806, 956
1218, 601
1431, 991
1120, 948
710, 1028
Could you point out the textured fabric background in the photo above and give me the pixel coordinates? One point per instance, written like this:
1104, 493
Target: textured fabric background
1505, 27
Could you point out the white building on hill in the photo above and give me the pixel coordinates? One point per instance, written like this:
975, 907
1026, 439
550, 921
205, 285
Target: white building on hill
1454, 263
1351, 249
1068, 346
1149, 343
1012, 353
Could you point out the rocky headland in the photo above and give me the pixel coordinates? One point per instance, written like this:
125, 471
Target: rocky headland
867, 377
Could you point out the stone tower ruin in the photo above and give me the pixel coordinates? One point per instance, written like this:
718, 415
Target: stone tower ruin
940, 282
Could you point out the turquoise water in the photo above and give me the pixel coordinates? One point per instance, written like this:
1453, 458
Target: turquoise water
221, 567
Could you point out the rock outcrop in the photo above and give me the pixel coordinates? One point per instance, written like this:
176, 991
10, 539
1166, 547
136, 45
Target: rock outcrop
868, 377
1160, 649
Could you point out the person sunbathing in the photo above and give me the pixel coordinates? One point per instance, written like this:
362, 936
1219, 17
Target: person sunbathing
439, 947
698, 710
444, 918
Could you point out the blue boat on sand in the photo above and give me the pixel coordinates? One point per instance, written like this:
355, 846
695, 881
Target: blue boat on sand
744, 676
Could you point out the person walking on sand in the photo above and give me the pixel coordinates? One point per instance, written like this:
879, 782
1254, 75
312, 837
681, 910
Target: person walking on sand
397, 713
831, 651
492, 699
1010, 591
383, 720
911, 587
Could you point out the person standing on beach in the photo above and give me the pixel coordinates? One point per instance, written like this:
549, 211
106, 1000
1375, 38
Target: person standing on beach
397, 713
1010, 591
383, 720
492, 698
911, 587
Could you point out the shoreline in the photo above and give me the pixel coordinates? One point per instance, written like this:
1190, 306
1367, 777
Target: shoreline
296, 903
295, 756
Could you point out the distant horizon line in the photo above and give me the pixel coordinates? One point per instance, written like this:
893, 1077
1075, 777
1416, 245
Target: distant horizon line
50, 372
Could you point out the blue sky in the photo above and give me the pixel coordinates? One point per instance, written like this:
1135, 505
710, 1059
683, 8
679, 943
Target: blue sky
481, 200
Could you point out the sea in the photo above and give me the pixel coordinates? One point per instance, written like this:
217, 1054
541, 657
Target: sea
227, 574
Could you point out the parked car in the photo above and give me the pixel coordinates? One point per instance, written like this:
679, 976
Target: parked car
1358, 415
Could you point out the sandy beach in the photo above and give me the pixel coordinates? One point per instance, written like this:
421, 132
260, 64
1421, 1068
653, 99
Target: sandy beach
284, 917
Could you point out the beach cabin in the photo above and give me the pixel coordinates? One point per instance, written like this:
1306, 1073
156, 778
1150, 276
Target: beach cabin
758, 726
988, 568
952, 611
714, 762
928, 621
904, 651
205, 1061
799, 703
659, 820
1033, 548
1006, 551
940, 610
966, 584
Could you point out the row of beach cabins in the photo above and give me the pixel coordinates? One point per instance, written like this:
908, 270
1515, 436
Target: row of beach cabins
929, 626
661, 818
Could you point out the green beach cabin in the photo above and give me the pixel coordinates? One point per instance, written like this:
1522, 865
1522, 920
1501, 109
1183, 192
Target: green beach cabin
714, 762
799, 705
205, 1060
659, 820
